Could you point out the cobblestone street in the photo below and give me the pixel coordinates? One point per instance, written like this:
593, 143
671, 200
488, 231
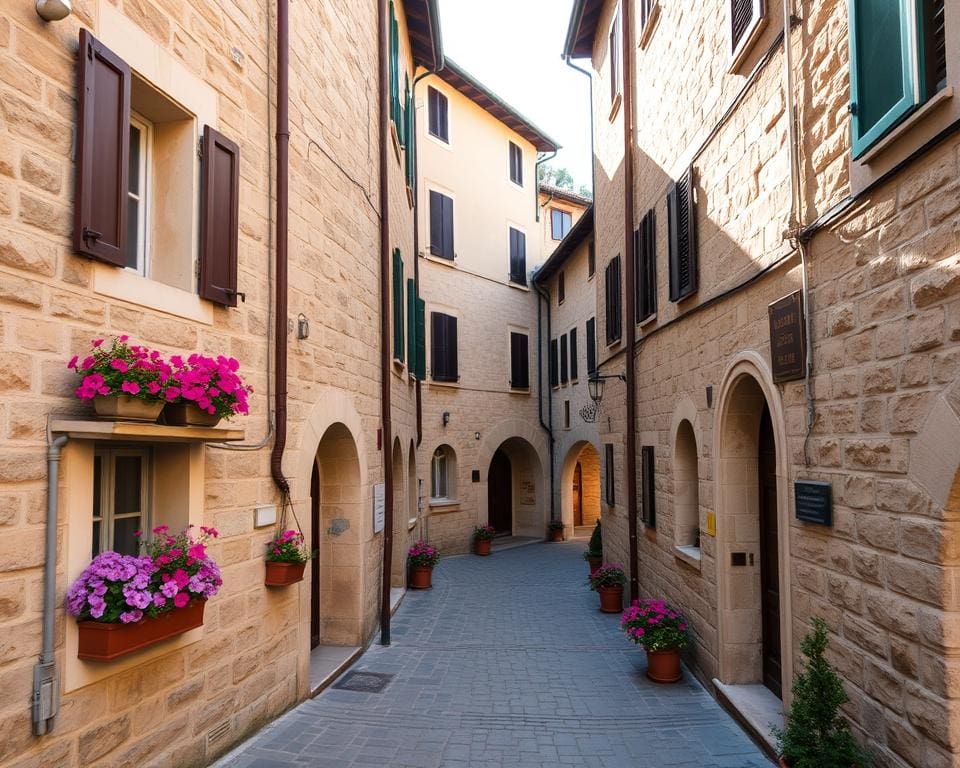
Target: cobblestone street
506, 662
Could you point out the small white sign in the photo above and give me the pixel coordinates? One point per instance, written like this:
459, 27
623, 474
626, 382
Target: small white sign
378, 507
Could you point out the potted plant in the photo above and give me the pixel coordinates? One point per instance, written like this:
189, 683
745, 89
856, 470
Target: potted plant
123, 381
594, 552
285, 559
482, 537
421, 558
555, 529
125, 603
662, 631
815, 734
202, 390
607, 581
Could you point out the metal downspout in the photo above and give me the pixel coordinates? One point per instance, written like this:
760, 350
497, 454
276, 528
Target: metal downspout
46, 684
593, 168
536, 181
543, 293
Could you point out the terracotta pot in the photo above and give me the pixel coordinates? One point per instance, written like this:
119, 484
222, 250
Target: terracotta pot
126, 408
421, 577
664, 666
556, 534
611, 599
594, 562
782, 762
104, 642
188, 415
282, 574
481, 547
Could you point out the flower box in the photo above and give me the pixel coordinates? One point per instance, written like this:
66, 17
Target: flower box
101, 641
126, 408
188, 415
283, 574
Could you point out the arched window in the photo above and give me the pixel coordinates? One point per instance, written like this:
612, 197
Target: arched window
686, 489
443, 474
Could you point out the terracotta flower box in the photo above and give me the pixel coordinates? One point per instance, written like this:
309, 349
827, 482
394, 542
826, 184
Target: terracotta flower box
126, 408
100, 641
188, 415
283, 574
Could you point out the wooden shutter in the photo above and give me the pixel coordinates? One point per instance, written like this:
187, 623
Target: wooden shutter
516, 164
573, 354
934, 47
397, 305
554, 363
591, 346
615, 44
613, 300
437, 114
412, 364
103, 153
564, 377
410, 141
518, 257
444, 344
561, 289
452, 363
682, 216
649, 510
742, 18
421, 369
447, 224
608, 476
436, 223
219, 218
519, 361
645, 270
591, 259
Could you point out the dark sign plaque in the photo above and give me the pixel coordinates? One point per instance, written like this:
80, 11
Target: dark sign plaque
788, 349
814, 501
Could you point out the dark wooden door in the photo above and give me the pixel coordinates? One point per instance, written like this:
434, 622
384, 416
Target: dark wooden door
578, 495
769, 555
500, 494
314, 564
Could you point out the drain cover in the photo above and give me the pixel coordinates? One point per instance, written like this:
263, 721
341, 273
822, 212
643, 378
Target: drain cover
364, 682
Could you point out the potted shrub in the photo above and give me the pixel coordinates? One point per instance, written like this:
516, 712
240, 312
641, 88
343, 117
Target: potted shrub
815, 734
555, 529
662, 631
202, 390
482, 537
285, 559
123, 381
607, 581
594, 552
421, 558
126, 603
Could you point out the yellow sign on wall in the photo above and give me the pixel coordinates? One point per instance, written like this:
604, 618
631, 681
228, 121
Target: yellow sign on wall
711, 524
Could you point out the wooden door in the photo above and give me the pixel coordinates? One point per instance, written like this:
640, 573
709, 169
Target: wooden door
578, 495
769, 556
314, 564
500, 494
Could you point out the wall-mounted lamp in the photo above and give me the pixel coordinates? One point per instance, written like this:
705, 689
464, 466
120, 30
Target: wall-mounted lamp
446, 418
476, 435
589, 413
303, 326
54, 10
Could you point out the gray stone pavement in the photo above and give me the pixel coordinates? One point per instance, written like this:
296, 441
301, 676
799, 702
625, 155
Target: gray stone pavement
506, 662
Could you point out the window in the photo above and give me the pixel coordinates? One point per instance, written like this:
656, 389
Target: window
437, 121
645, 269
137, 190
409, 140
441, 226
648, 513
591, 346
561, 290
516, 164
649, 9
121, 495
591, 259
560, 223
397, 305
609, 493
554, 363
564, 378
396, 110
443, 474
566, 414
898, 60
519, 361
518, 257
612, 278
682, 218
616, 44
416, 333
444, 347
686, 488
747, 18
573, 354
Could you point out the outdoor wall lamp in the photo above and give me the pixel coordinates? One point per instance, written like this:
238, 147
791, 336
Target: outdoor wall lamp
303, 326
446, 418
595, 385
53, 10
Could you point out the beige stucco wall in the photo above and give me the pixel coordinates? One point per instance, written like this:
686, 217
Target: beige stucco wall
250, 660
884, 281
547, 202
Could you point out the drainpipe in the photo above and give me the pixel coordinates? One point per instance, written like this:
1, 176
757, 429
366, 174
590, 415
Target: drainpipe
593, 169
536, 181
46, 685
543, 293
385, 374
283, 171
628, 121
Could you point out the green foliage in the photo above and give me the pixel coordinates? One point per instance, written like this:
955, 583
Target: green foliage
816, 735
595, 547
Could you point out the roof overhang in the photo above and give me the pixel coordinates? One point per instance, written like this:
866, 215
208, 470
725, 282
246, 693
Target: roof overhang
423, 27
577, 235
583, 26
559, 193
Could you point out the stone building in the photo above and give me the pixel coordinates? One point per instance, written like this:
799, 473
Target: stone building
754, 176
194, 270
487, 450
560, 209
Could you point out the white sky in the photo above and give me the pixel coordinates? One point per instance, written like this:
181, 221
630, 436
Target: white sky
514, 48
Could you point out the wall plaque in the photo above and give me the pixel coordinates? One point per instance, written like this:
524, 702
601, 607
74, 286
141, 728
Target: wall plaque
378, 508
813, 501
788, 350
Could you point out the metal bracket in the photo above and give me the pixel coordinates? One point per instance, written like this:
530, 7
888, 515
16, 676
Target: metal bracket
46, 698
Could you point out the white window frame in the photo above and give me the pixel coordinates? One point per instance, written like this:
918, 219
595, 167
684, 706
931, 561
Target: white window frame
510, 145
439, 475
561, 212
107, 515
750, 34
143, 196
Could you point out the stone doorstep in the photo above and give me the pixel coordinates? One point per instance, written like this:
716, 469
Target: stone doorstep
328, 662
756, 708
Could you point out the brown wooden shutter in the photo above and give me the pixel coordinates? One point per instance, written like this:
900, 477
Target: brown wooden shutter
219, 218
591, 346
519, 361
682, 215
564, 378
741, 18
554, 362
573, 354
103, 153
649, 498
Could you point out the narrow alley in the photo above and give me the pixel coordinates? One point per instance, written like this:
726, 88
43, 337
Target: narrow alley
505, 662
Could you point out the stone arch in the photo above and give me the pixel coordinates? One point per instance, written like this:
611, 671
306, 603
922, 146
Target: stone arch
746, 387
413, 485
686, 487
586, 453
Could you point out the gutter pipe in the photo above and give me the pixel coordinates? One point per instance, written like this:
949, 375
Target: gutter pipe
593, 168
536, 181
543, 293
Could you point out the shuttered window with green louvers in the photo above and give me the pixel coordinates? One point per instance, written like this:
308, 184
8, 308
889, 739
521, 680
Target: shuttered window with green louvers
397, 305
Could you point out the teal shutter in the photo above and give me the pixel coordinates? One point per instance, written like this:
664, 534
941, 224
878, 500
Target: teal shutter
409, 141
397, 305
421, 371
882, 77
411, 326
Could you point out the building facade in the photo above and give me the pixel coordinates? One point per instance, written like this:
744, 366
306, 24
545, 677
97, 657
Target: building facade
560, 209
754, 182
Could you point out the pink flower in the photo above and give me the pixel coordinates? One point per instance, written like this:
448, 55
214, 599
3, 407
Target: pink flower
181, 599
197, 552
130, 387
172, 393
97, 342
73, 361
153, 387
123, 338
181, 577
119, 365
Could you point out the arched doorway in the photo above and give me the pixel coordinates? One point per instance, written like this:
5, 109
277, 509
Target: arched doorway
413, 489
500, 494
579, 488
769, 555
577, 495
398, 561
515, 489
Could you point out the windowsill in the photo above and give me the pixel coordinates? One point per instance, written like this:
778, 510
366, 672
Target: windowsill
443, 503
516, 185
647, 31
650, 534
746, 45
440, 260
689, 555
447, 384
518, 286
519, 390
445, 143
614, 343
398, 366
893, 136
411, 200
411, 524
96, 429
143, 292
650, 320
615, 107
396, 142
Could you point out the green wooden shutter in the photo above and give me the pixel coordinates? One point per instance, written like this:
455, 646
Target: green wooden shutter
421, 369
882, 82
410, 139
412, 362
397, 305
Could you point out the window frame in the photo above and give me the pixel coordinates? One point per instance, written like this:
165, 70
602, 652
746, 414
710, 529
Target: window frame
515, 163
108, 473
553, 228
144, 194
514, 277
440, 460
439, 250
615, 56
521, 381
648, 490
613, 303
444, 102
740, 49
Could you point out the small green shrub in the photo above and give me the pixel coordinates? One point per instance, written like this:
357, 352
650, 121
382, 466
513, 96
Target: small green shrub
816, 735
595, 547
